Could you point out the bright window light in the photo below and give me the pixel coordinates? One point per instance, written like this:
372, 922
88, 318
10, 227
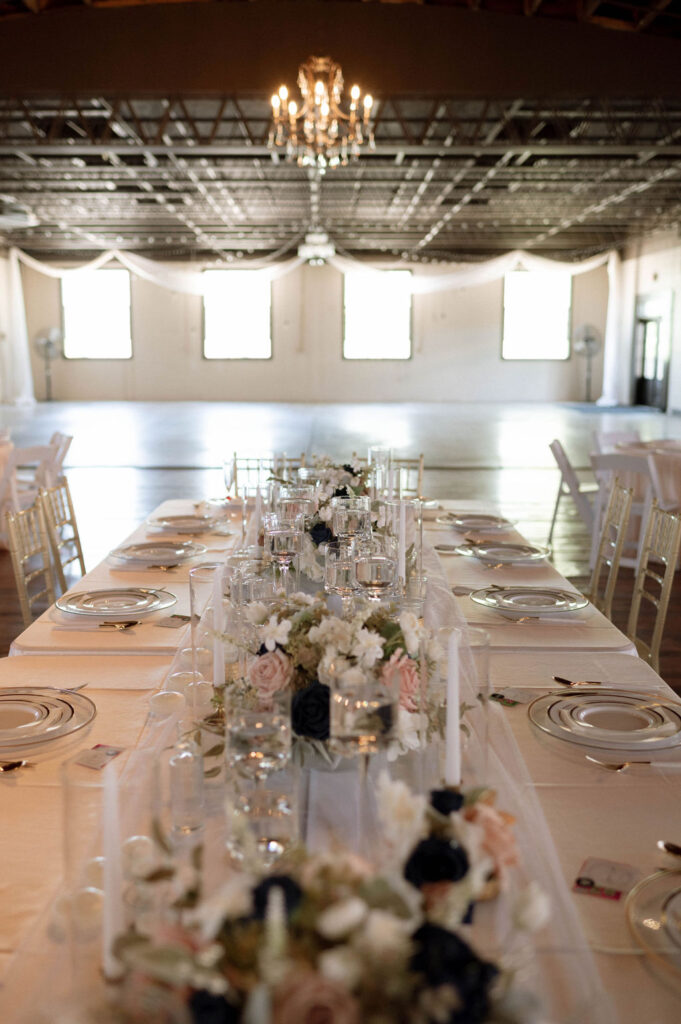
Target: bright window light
536, 315
96, 310
377, 315
236, 322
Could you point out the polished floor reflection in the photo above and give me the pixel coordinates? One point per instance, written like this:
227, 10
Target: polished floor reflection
126, 457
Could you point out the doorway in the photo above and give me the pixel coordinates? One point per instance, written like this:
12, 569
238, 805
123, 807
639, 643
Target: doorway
652, 345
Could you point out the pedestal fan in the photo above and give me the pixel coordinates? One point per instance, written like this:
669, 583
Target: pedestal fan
48, 346
587, 343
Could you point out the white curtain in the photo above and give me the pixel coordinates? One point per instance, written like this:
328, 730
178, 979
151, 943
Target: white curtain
611, 347
19, 384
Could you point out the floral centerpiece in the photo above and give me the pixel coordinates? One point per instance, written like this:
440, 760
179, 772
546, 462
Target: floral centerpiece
299, 645
331, 939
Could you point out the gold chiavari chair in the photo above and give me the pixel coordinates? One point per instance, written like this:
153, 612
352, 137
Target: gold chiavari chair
62, 530
29, 548
653, 585
613, 535
253, 471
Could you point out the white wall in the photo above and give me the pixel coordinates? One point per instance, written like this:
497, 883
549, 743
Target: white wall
456, 349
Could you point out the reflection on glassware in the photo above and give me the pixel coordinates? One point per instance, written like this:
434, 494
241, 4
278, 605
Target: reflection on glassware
379, 466
375, 575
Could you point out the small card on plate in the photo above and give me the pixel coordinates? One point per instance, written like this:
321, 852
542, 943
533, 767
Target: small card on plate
99, 756
607, 879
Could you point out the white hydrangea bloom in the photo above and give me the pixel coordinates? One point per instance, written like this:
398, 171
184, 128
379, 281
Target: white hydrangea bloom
233, 899
384, 938
368, 647
402, 814
343, 965
256, 612
332, 631
413, 631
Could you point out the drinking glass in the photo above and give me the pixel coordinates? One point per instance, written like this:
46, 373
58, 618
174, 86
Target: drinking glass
375, 575
379, 465
284, 540
339, 573
402, 521
259, 741
363, 714
350, 517
263, 818
297, 501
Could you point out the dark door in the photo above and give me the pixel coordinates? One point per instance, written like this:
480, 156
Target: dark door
652, 364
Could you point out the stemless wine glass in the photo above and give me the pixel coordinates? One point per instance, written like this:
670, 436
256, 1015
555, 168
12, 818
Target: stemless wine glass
363, 713
350, 517
375, 575
339, 573
284, 539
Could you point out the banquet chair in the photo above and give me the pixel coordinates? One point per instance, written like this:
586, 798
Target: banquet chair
612, 538
571, 486
62, 531
606, 440
33, 468
28, 545
254, 471
60, 444
639, 472
653, 585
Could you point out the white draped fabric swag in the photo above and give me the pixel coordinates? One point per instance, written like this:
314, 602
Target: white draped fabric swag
15, 365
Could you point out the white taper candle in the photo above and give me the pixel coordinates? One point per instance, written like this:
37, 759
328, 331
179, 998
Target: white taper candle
112, 912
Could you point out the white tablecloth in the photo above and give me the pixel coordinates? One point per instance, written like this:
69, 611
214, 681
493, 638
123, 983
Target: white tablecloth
589, 812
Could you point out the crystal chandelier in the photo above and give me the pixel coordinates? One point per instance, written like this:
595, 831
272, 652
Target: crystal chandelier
320, 134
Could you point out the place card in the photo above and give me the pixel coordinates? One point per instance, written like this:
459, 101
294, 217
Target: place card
607, 879
99, 756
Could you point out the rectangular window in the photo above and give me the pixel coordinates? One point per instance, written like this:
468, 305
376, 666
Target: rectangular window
377, 315
236, 315
536, 315
96, 312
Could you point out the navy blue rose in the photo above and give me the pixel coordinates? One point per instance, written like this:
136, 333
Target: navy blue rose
436, 860
348, 468
445, 959
446, 801
342, 492
293, 894
320, 533
310, 712
207, 1008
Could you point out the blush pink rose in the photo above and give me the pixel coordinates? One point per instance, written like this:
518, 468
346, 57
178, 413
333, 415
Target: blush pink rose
498, 839
270, 673
403, 672
306, 997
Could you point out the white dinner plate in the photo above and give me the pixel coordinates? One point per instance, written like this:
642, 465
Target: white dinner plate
160, 552
517, 602
507, 554
181, 524
116, 601
610, 719
31, 716
476, 521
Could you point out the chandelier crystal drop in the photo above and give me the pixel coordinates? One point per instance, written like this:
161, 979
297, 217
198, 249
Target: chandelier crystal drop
318, 133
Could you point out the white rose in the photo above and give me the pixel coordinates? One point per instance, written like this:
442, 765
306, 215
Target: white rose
384, 938
341, 964
341, 918
531, 908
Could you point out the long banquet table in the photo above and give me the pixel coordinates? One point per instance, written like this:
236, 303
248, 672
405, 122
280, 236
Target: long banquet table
580, 810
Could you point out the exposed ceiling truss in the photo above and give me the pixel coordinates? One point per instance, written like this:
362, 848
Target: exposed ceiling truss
449, 178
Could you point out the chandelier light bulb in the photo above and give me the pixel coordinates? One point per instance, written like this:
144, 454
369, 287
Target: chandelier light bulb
368, 101
283, 93
276, 103
354, 93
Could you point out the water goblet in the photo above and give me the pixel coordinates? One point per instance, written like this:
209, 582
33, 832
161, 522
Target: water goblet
350, 517
284, 540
